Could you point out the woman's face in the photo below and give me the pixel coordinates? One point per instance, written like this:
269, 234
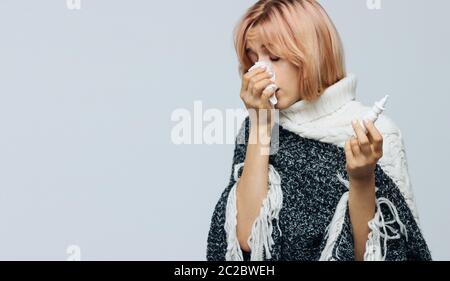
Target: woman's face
286, 74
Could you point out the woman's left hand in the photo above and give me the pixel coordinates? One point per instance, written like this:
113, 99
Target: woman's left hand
363, 151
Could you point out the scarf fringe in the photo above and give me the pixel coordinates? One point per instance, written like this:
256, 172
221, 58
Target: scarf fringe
379, 230
378, 225
234, 252
260, 240
334, 229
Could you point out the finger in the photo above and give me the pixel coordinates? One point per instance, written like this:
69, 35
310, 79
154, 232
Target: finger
348, 151
260, 77
266, 94
263, 75
257, 70
361, 137
260, 86
374, 136
257, 78
368, 134
354, 144
245, 81
247, 77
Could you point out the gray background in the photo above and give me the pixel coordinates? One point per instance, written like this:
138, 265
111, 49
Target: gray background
86, 98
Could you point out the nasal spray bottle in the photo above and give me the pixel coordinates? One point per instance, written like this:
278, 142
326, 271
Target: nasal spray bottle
272, 87
376, 110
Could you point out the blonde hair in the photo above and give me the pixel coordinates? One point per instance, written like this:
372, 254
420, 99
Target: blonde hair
299, 31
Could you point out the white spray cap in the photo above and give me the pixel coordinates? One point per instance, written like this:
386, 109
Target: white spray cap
376, 110
381, 103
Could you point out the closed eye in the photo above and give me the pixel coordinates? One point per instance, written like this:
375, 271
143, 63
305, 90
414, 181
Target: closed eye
251, 54
275, 59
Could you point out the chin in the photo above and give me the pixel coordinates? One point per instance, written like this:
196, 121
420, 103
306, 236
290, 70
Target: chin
282, 103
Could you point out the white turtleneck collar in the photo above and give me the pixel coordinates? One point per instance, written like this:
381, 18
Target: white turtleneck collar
333, 98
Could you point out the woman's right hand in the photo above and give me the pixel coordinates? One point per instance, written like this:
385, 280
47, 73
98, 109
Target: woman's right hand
255, 95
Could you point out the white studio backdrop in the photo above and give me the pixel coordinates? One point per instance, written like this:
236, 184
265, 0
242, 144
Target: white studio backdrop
88, 167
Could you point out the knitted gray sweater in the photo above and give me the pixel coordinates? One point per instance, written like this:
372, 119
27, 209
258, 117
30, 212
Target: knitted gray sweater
312, 222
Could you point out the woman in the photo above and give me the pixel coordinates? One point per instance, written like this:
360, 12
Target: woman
331, 191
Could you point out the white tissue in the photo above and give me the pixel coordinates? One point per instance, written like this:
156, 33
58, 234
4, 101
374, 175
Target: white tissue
272, 87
